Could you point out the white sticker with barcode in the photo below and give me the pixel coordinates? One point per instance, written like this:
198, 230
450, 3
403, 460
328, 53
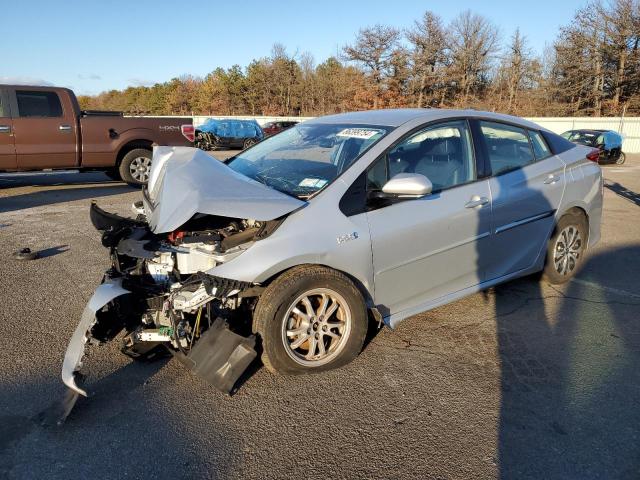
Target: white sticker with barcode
364, 133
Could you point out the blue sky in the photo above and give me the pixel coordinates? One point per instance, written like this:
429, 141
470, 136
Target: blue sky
93, 45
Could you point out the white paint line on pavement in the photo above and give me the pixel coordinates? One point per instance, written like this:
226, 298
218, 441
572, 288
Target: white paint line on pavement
617, 291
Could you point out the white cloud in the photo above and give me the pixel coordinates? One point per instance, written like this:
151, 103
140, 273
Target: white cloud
23, 80
91, 76
140, 82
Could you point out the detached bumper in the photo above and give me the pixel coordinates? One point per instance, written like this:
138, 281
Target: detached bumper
104, 294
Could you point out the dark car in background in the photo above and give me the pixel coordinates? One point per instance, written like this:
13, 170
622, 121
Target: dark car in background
271, 128
229, 133
607, 141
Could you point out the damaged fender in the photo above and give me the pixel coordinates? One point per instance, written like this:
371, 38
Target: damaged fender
104, 294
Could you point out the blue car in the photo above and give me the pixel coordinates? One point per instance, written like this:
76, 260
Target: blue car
229, 133
607, 141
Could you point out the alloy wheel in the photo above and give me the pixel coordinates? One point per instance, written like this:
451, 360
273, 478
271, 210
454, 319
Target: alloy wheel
139, 169
567, 250
316, 327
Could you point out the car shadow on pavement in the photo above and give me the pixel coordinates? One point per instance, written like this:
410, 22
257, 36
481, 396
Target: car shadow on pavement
54, 179
49, 197
624, 192
569, 354
570, 376
123, 417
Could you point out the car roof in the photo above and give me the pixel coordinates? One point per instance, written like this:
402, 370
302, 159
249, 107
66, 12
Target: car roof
589, 130
398, 116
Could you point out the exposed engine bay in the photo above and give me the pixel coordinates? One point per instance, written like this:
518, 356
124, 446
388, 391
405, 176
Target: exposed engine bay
158, 295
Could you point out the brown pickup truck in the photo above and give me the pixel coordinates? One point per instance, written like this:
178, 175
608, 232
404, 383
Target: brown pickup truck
43, 127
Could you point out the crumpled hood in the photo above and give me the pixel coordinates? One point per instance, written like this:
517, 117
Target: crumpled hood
184, 181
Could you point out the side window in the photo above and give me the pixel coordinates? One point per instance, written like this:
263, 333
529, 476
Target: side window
33, 103
3, 112
508, 147
443, 153
540, 147
377, 174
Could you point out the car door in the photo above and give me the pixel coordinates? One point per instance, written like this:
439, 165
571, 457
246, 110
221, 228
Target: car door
527, 184
7, 146
44, 130
426, 248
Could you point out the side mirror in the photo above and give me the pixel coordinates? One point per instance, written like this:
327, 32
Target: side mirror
407, 185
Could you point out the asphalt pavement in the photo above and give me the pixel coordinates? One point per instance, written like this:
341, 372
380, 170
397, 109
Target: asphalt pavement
526, 380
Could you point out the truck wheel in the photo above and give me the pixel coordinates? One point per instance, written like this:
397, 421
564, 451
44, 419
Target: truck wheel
135, 167
249, 142
310, 319
621, 159
566, 248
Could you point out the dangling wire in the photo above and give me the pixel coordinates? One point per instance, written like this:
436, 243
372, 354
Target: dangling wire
196, 328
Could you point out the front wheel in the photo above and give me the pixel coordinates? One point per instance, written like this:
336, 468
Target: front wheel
621, 159
310, 319
566, 249
135, 167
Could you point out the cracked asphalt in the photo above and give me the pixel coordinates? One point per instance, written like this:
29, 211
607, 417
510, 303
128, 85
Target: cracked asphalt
526, 380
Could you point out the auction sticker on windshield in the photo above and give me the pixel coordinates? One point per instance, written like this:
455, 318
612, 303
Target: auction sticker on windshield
364, 133
313, 183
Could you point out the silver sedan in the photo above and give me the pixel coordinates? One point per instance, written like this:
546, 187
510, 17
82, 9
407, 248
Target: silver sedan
290, 248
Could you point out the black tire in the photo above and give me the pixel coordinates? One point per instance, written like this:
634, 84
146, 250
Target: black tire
279, 297
561, 272
621, 159
125, 168
113, 174
249, 142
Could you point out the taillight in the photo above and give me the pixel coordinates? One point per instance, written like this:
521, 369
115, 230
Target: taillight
593, 155
188, 132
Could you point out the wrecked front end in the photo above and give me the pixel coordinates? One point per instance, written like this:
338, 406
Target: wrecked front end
157, 297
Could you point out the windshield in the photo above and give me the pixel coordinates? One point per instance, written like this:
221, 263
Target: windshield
302, 160
584, 138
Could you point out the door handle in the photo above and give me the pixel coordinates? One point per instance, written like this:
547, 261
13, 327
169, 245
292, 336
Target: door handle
551, 179
64, 128
476, 201
5, 128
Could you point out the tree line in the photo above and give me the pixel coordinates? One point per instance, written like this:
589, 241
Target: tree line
591, 69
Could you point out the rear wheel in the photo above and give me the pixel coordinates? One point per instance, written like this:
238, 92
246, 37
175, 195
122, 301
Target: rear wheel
310, 319
566, 249
249, 142
621, 159
135, 167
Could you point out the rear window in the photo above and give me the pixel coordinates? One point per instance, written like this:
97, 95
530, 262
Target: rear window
540, 148
33, 103
557, 143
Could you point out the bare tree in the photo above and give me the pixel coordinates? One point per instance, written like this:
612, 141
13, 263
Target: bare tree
519, 68
621, 31
428, 39
374, 48
472, 42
